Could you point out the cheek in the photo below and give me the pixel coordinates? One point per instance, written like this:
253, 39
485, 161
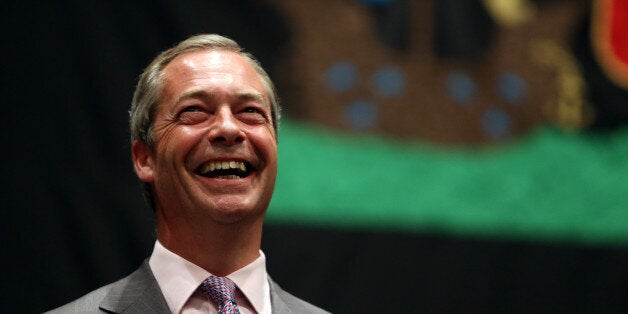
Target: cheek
175, 142
265, 142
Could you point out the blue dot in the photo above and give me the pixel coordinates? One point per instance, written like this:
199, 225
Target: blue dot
341, 76
361, 115
496, 123
460, 87
511, 87
388, 82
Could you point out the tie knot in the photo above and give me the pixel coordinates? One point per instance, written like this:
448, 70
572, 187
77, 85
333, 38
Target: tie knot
222, 291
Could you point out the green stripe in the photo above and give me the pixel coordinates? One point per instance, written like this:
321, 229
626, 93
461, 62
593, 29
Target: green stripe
549, 185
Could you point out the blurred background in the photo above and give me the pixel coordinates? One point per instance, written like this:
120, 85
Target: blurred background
436, 156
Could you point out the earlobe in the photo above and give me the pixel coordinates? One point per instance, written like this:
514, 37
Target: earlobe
142, 161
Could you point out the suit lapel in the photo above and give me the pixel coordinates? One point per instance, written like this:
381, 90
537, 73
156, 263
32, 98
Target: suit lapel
137, 293
283, 302
278, 304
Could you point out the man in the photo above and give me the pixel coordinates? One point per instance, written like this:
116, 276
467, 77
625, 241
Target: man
203, 124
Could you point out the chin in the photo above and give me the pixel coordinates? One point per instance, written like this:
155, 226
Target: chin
236, 213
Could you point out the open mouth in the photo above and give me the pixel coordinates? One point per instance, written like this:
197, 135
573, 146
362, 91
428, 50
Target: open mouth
225, 169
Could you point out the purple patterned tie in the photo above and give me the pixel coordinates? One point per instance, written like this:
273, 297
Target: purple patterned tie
222, 291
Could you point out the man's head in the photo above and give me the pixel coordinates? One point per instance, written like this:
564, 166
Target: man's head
150, 85
203, 123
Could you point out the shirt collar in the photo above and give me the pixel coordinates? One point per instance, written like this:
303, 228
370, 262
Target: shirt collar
178, 278
253, 282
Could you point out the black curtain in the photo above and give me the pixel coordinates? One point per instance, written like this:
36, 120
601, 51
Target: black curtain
73, 215
373, 272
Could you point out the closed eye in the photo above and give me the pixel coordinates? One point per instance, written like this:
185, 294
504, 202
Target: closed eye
191, 109
252, 110
253, 115
192, 114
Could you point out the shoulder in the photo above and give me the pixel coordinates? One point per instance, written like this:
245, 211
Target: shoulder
87, 303
137, 293
284, 302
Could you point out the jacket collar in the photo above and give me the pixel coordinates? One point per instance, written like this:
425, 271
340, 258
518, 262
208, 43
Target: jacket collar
137, 293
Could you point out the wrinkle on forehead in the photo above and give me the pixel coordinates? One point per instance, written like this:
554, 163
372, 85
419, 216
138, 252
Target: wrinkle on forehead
243, 95
208, 70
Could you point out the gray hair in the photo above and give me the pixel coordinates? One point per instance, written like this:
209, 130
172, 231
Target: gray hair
149, 88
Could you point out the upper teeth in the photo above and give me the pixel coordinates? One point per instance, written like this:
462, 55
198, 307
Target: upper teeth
213, 165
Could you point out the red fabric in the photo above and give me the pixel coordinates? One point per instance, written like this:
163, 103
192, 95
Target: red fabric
619, 29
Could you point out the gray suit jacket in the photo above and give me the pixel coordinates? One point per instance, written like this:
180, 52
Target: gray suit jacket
140, 293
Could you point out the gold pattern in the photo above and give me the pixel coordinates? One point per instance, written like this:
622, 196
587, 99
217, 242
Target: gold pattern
569, 109
511, 12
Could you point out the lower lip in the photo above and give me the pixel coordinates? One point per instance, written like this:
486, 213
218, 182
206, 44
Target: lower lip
226, 180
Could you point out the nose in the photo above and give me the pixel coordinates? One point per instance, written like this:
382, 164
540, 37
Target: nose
225, 129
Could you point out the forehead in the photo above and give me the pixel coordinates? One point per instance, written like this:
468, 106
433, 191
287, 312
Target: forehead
211, 68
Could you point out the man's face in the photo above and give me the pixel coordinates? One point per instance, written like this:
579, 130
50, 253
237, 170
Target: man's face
215, 152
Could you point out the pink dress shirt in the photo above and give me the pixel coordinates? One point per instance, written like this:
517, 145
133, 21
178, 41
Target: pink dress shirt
179, 280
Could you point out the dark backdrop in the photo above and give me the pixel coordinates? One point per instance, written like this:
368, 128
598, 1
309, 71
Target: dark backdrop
73, 217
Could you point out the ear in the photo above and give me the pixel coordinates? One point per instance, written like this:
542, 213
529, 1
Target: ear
143, 161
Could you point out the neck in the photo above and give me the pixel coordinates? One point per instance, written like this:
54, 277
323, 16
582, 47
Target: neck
218, 248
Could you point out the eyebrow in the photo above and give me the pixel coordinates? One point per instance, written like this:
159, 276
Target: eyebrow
202, 94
